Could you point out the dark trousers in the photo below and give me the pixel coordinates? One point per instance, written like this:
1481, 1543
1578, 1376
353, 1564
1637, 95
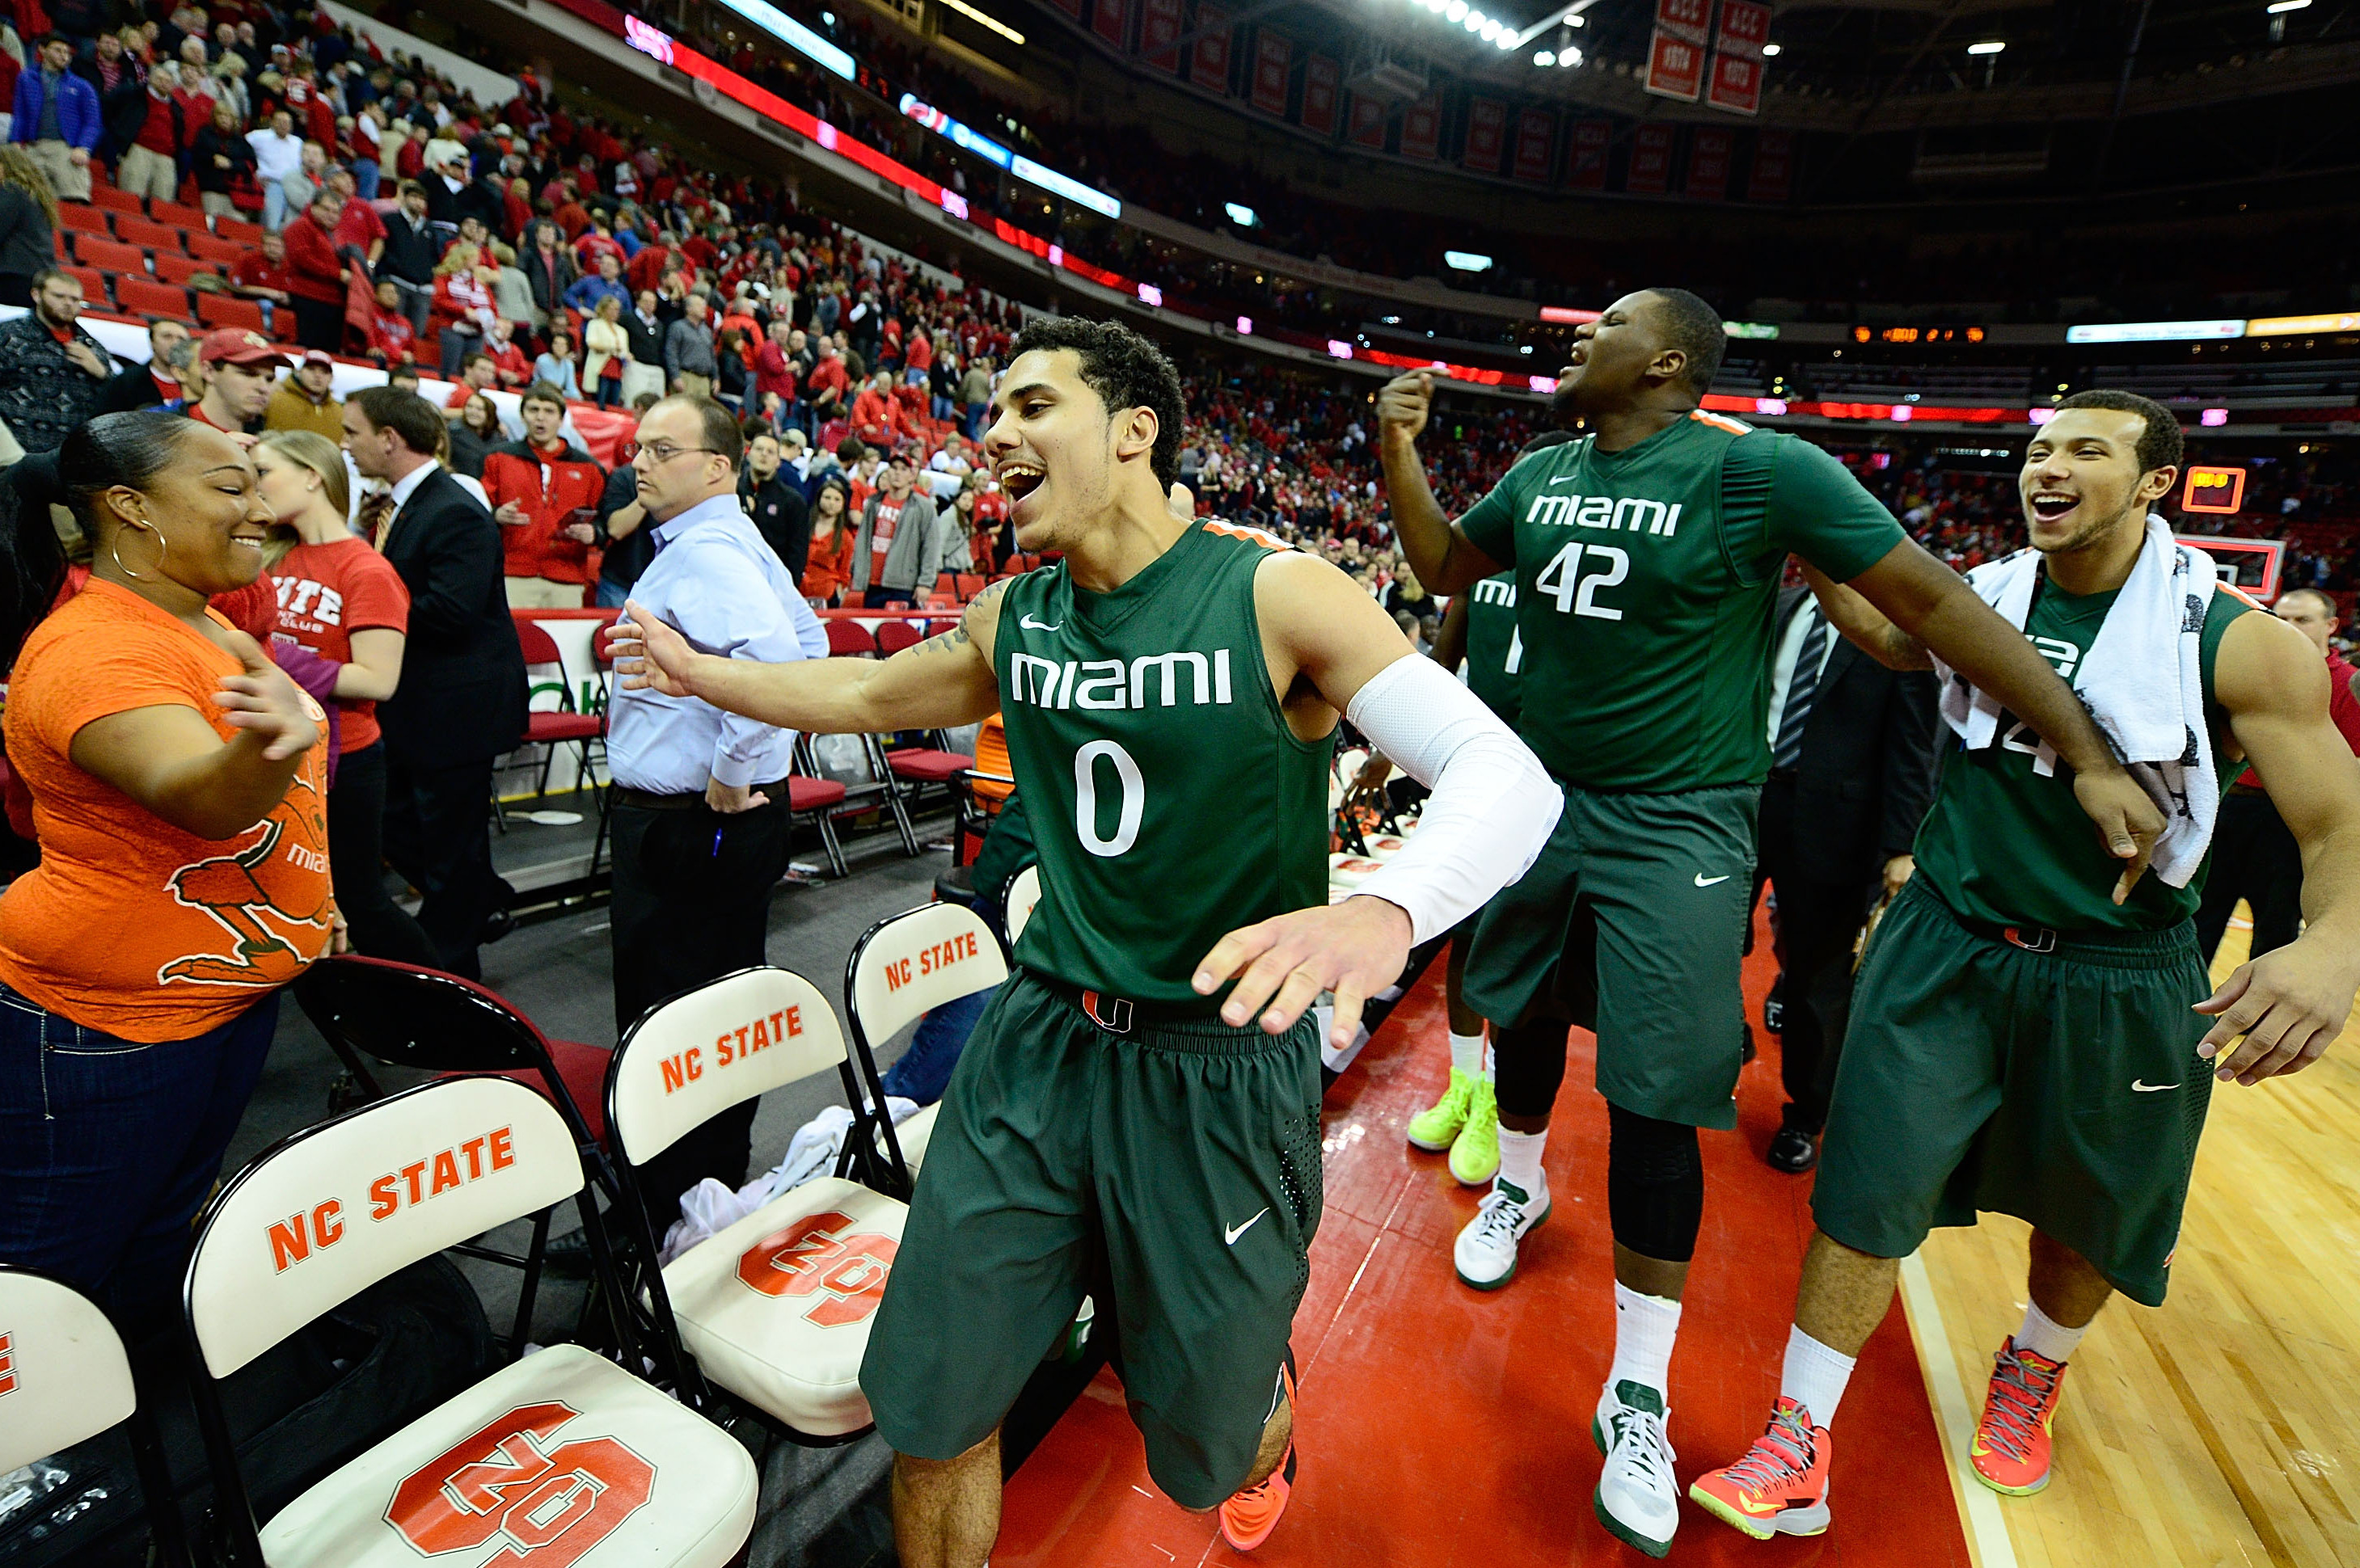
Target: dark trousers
2256, 858
320, 324
879, 598
1820, 907
108, 1146
692, 903
380, 927
438, 835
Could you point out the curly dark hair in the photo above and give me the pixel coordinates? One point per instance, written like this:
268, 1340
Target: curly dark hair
1125, 370
2160, 445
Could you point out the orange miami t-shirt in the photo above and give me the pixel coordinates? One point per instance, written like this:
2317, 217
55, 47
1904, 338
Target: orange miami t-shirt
130, 925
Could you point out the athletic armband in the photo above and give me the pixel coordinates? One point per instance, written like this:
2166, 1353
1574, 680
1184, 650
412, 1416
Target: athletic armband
1493, 804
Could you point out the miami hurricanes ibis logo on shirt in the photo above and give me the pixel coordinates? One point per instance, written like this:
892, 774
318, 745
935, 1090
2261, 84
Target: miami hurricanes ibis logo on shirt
818, 1256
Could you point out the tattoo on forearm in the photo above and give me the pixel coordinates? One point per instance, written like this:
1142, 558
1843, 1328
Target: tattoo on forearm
949, 641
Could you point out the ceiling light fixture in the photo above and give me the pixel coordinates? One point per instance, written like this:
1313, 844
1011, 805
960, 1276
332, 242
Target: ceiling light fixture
1994, 47
1545, 57
1770, 52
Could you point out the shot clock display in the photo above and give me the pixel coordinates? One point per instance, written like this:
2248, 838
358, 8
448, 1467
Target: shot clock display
2210, 489
1917, 335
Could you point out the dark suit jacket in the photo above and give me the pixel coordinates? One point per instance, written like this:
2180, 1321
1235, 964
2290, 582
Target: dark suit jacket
462, 696
1866, 774
128, 388
410, 253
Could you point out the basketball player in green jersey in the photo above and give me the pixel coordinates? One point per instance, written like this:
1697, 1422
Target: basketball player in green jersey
2024, 1043
1171, 692
1647, 557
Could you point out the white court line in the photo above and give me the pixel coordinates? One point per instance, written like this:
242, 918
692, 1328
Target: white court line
1987, 1538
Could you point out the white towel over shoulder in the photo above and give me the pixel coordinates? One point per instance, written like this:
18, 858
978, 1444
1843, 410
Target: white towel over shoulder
2141, 681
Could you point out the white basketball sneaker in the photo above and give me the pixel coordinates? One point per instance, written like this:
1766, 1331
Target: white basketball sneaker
1485, 1253
1637, 1501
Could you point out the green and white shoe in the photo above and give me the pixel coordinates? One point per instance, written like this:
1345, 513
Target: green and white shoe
1475, 1153
1434, 1128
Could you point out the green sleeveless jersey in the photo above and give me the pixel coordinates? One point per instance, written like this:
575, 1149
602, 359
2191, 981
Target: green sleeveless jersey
1495, 649
1171, 802
1646, 583
2005, 846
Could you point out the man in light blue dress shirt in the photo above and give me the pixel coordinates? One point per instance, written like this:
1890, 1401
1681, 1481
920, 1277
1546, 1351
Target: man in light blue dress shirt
700, 802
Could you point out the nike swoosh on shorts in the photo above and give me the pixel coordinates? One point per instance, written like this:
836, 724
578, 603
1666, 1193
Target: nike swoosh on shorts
1230, 1236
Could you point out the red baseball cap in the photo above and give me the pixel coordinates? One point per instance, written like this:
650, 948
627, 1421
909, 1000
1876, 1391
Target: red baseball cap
240, 346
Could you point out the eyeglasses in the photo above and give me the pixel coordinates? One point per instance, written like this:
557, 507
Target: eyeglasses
663, 452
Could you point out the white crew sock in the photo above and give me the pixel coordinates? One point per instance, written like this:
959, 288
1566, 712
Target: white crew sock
1520, 1160
1815, 1376
1644, 1330
1466, 1053
1491, 1061
2047, 1338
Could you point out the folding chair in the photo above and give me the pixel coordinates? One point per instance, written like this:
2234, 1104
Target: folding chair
775, 1309
565, 726
1023, 893
816, 800
903, 966
66, 1378
562, 1450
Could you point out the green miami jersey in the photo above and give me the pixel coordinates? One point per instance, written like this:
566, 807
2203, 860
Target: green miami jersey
1171, 802
1645, 584
2007, 845
1495, 649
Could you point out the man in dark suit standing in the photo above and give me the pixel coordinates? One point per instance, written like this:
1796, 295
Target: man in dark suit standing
145, 386
462, 701
1851, 772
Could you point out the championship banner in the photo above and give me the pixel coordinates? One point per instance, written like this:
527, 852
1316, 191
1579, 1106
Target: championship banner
1422, 130
1684, 18
1367, 123
1709, 164
1487, 129
1774, 166
1650, 173
1591, 138
1675, 67
1736, 84
1160, 24
1210, 63
1112, 21
1273, 55
1322, 80
1745, 28
1535, 140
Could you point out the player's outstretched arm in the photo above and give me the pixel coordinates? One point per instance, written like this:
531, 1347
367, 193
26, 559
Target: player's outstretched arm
1863, 624
944, 681
2292, 1003
1491, 813
1934, 605
1444, 558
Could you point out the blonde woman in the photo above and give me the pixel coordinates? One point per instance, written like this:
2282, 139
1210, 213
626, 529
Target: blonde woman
28, 223
463, 313
345, 603
609, 352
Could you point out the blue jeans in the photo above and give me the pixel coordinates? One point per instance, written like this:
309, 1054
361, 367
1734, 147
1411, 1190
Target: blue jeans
923, 1071
108, 1147
365, 175
611, 594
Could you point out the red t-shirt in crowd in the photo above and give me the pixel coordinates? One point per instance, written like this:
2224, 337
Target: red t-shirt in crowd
328, 591
2342, 705
254, 270
880, 536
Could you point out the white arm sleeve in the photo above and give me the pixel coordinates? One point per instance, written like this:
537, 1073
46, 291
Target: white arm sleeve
1493, 804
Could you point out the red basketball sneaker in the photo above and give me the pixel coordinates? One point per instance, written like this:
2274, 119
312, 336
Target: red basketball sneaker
1780, 1487
2010, 1451
1248, 1516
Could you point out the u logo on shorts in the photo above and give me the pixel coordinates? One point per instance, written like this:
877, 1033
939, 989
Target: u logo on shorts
1111, 1013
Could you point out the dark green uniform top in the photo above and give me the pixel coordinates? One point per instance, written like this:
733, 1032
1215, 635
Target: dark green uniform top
2006, 845
1495, 649
1171, 802
1646, 583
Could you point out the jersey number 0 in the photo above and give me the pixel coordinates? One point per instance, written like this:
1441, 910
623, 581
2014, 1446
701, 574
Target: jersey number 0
1086, 797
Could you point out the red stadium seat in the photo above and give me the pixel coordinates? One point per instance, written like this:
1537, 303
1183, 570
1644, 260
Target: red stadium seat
85, 220
109, 256
180, 268
179, 216
212, 247
114, 201
892, 636
848, 640
143, 296
146, 234
969, 585
228, 311
237, 230
93, 286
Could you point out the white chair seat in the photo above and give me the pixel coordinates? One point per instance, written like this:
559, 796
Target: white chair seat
776, 1308
604, 1459
915, 1134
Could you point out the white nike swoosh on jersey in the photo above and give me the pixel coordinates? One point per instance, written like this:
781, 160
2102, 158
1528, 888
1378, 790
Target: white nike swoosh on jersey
1230, 1236
1564, 479
1030, 624
2140, 1086
1704, 881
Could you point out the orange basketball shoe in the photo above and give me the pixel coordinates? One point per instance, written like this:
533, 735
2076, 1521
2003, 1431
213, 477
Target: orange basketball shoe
1780, 1487
2012, 1447
1248, 1516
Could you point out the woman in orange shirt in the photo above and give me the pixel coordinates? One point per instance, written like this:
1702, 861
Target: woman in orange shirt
178, 781
828, 571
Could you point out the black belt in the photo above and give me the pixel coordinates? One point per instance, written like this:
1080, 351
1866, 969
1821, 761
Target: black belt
648, 801
2042, 939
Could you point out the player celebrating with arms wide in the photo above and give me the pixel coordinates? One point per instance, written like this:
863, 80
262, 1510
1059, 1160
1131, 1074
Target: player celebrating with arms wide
2029, 1035
1647, 556
1171, 692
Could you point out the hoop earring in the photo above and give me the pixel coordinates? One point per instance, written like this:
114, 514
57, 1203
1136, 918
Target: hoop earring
114, 549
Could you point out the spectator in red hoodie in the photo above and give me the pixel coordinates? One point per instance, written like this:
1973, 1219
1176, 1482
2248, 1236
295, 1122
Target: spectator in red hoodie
544, 495
515, 371
646, 270
875, 416
316, 273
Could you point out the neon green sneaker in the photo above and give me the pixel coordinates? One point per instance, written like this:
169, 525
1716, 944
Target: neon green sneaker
1433, 1128
1475, 1153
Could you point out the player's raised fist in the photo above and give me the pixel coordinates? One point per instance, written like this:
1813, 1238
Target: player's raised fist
1404, 403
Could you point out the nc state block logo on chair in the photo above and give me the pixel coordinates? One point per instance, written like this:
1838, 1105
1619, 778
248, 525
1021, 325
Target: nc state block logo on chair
813, 1257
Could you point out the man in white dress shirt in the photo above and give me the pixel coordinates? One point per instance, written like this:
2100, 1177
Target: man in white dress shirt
700, 806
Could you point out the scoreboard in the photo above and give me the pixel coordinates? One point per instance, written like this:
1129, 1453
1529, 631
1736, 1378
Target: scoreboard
2212, 489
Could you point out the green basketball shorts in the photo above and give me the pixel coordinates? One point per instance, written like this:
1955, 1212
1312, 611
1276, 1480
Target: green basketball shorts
1633, 923
1181, 1157
2061, 1086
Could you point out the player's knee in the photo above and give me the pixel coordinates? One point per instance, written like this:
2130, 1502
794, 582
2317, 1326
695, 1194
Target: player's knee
1654, 1185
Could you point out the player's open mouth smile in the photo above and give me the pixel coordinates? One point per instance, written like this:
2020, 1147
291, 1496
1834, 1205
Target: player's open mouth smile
1020, 479
2052, 505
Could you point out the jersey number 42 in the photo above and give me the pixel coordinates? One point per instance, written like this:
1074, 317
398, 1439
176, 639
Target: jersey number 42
1576, 573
